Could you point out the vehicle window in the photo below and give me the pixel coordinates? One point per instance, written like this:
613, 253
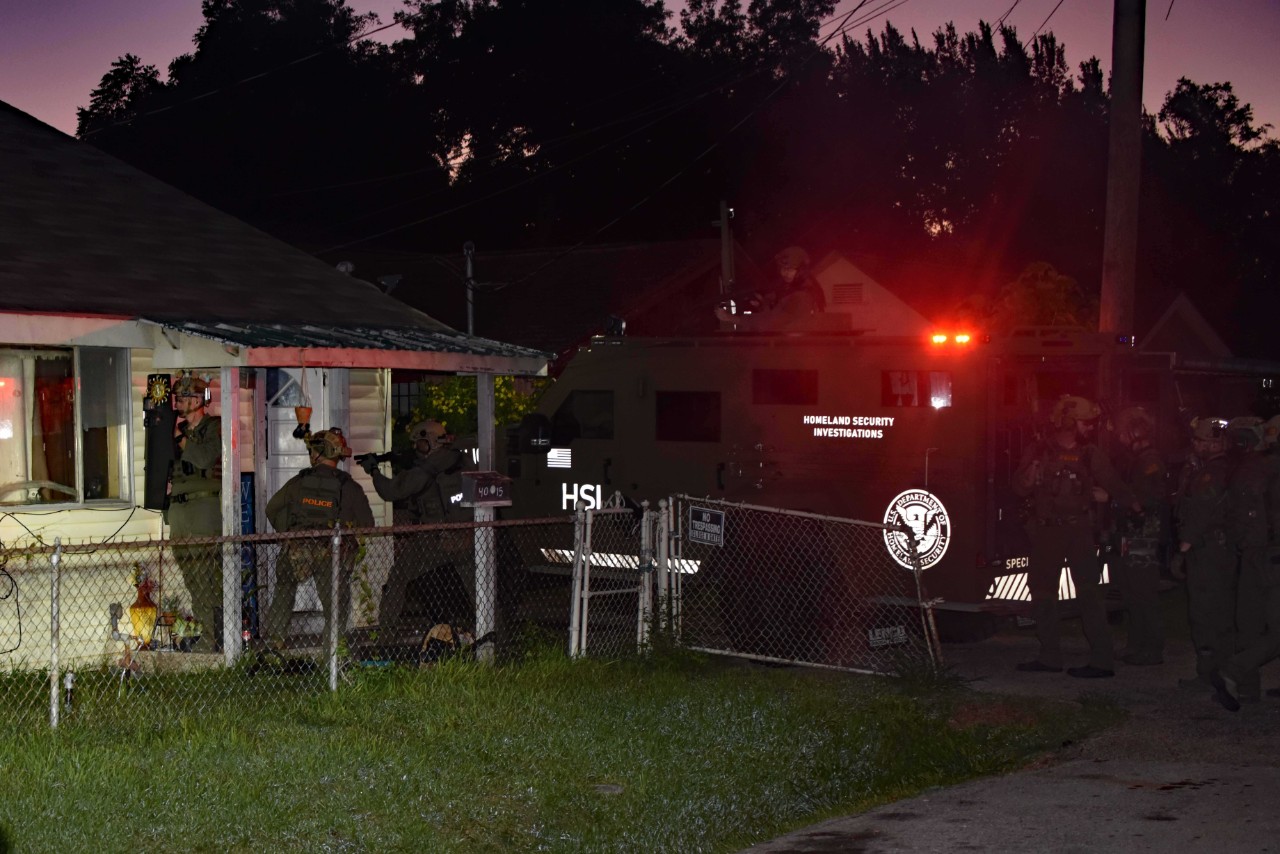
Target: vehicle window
687, 416
41, 461
583, 415
784, 387
915, 388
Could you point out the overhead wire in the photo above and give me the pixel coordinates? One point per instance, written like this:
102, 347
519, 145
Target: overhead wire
889, 4
235, 83
1046, 20
679, 173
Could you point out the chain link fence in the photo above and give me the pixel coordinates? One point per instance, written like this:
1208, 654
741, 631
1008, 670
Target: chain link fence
779, 585
176, 627
142, 627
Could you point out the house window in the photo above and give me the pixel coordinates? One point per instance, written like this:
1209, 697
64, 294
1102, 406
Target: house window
687, 416
57, 446
769, 386
915, 388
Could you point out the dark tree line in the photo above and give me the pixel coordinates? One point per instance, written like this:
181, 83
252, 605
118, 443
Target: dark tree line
946, 164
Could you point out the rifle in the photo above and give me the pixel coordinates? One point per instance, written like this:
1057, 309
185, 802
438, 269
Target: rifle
399, 459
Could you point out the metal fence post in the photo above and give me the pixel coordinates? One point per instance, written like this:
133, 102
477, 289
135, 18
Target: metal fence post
644, 603
335, 597
666, 508
55, 589
486, 591
229, 554
928, 625
580, 548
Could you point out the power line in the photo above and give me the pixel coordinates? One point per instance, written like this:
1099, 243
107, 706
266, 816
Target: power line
1000, 21
889, 4
1046, 20
701, 155
240, 82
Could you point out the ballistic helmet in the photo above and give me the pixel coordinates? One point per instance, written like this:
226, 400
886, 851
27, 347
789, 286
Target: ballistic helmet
1134, 424
329, 444
790, 262
1208, 429
1245, 432
793, 257
1070, 409
432, 431
190, 385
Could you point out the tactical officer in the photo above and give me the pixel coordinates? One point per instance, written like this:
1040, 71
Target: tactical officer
1142, 534
432, 486
195, 502
1204, 540
1238, 679
1065, 476
1251, 476
316, 499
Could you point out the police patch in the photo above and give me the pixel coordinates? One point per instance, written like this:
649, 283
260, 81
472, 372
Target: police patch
924, 515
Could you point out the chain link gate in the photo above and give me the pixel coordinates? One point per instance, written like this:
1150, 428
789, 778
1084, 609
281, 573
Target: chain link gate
791, 587
757, 582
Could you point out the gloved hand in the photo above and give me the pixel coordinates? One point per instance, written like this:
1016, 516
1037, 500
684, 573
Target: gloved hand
369, 464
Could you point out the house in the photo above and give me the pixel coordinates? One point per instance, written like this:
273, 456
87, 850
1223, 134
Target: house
108, 276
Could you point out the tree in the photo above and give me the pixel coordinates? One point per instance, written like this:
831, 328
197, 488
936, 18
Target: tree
1039, 296
121, 94
1209, 117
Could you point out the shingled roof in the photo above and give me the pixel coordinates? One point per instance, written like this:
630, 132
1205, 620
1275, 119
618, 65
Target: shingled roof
83, 233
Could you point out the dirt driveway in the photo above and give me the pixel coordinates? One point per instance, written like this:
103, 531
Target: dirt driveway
1181, 774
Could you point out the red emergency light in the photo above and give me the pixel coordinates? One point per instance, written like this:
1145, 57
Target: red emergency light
960, 338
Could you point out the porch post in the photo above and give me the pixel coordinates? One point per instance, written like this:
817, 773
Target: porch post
229, 407
486, 559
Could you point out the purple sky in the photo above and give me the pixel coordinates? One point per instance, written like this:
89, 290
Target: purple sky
53, 52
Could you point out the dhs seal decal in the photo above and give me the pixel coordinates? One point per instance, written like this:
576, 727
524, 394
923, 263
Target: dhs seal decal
924, 514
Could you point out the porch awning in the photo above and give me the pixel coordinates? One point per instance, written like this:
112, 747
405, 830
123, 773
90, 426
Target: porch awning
276, 345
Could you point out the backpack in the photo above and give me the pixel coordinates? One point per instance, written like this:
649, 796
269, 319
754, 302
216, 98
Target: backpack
315, 505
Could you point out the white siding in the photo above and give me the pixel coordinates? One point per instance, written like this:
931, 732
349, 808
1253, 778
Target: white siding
370, 431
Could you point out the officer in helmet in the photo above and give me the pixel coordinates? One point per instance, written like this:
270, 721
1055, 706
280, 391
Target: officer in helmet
318, 498
194, 506
432, 489
1204, 540
1066, 477
800, 293
1257, 494
1142, 534
1252, 474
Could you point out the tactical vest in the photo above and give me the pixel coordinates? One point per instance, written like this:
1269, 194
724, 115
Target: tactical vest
441, 501
1064, 488
316, 501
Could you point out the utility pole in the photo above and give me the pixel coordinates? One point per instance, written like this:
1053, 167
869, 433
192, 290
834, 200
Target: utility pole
726, 248
469, 251
1124, 168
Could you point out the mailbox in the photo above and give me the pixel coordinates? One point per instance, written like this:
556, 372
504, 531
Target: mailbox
485, 489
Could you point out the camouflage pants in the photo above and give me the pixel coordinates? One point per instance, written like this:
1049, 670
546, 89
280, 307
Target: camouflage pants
1211, 604
447, 554
1051, 547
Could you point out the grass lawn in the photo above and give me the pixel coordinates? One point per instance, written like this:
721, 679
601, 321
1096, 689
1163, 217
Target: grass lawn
675, 753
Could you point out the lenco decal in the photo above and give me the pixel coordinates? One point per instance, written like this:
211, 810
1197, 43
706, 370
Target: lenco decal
848, 426
924, 515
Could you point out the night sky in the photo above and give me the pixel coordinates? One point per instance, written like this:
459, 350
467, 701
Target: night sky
54, 52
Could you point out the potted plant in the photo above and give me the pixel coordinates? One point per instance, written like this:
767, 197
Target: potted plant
169, 607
